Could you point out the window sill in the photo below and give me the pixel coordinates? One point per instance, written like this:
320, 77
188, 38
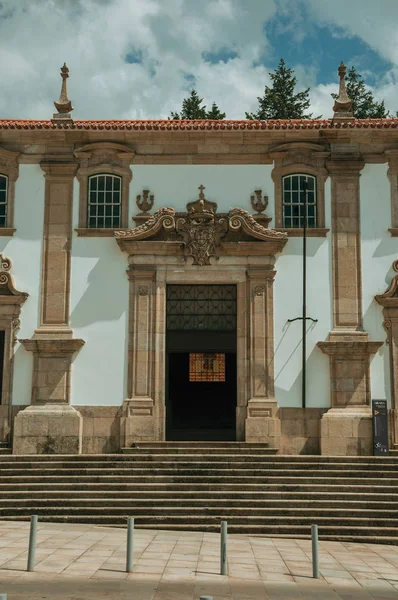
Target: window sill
91, 232
394, 231
7, 231
310, 232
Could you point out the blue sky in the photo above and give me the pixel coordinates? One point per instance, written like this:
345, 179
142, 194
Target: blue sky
139, 58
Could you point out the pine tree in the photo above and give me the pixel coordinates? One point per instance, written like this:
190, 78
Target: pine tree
364, 106
280, 101
192, 108
215, 114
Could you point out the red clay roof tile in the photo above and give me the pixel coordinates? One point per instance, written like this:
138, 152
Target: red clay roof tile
222, 125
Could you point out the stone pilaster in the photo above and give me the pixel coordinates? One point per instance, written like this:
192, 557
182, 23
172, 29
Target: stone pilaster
262, 423
50, 424
346, 429
139, 422
389, 302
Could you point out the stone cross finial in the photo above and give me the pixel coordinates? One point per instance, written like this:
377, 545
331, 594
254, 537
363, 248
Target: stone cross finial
64, 105
343, 105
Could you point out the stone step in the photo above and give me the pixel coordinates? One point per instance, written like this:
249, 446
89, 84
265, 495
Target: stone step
138, 456
200, 516
153, 487
220, 479
163, 496
198, 470
264, 451
330, 469
208, 507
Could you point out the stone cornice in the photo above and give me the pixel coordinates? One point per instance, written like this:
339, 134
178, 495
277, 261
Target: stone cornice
64, 347
349, 349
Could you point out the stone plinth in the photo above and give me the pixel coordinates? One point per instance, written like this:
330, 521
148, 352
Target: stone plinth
347, 432
262, 423
48, 429
346, 429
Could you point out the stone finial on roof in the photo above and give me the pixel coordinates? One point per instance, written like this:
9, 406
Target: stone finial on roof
343, 105
64, 105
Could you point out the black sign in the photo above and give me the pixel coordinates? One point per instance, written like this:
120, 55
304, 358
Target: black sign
380, 427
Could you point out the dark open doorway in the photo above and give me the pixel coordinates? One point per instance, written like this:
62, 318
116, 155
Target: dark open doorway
200, 409
201, 381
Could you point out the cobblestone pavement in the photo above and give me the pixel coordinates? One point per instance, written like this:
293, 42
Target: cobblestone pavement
85, 562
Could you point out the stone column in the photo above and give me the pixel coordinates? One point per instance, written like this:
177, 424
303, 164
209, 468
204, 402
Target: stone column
262, 423
50, 424
389, 302
346, 429
140, 421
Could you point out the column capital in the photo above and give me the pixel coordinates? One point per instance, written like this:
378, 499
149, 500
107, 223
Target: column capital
139, 272
59, 170
345, 166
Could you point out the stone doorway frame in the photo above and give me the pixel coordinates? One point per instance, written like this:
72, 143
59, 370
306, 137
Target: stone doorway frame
200, 247
144, 411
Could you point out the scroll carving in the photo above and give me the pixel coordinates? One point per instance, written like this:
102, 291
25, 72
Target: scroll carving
162, 218
7, 285
201, 229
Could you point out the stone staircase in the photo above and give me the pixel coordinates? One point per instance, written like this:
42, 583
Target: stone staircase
195, 485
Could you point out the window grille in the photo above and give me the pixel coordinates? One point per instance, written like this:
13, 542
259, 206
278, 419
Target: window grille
293, 201
3, 200
201, 307
104, 201
206, 367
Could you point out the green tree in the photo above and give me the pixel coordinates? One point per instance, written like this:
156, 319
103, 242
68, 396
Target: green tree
364, 106
192, 108
215, 114
280, 101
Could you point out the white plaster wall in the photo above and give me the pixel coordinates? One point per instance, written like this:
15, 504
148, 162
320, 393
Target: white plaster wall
99, 316
176, 185
379, 250
99, 287
99, 284
288, 305
25, 249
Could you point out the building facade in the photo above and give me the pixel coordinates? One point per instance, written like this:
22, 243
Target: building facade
151, 283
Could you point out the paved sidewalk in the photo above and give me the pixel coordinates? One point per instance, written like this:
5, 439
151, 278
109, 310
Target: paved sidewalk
84, 562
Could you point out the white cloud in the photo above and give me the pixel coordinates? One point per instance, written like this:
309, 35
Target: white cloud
94, 36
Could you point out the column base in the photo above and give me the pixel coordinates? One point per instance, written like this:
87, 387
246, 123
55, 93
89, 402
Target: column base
48, 429
347, 432
138, 423
262, 423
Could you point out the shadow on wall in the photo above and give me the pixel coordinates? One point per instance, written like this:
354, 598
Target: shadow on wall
294, 392
388, 246
100, 302
294, 246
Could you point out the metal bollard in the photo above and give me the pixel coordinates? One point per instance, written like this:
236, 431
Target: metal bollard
315, 551
32, 542
224, 529
130, 545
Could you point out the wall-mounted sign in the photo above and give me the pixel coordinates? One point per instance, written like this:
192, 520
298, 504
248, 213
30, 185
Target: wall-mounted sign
380, 427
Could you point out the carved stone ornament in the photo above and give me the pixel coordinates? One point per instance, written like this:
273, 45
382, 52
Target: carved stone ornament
259, 290
103, 154
390, 296
64, 105
145, 202
259, 204
7, 285
343, 105
201, 229
143, 290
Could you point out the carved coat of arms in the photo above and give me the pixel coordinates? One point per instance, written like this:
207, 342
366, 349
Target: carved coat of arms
201, 229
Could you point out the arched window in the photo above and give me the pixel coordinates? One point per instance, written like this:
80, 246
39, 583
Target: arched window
299, 190
3, 200
104, 201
